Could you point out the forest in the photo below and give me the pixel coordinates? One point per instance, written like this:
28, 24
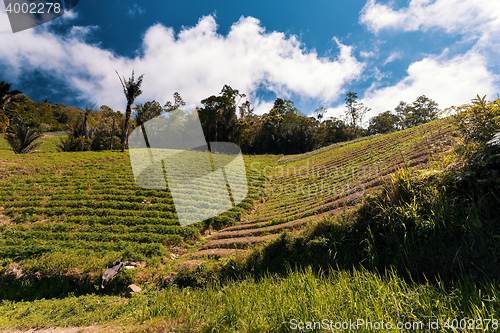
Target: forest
282, 130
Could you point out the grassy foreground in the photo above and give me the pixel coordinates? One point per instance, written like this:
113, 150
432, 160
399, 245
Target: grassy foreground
275, 304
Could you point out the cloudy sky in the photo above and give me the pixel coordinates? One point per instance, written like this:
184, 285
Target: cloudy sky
312, 52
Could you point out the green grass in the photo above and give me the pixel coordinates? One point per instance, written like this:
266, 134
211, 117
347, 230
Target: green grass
307, 184
58, 206
272, 304
50, 141
433, 236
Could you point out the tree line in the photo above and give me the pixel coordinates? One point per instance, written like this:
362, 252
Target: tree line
227, 116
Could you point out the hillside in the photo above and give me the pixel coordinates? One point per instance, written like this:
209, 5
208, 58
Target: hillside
311, 186
65, 217
65, 207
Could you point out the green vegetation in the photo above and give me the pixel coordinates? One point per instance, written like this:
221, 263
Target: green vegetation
308, 184
21, 136
225, 117
401, 227
132, 90
86, 205
272, 304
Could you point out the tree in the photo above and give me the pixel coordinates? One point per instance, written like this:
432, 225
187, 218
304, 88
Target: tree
218, 114
402, 111
421, 111
383, 123
4, 123
6, 94
245, 109
178, 102
86, 133
149, 110
106, 128
479, 121
351, 111
276, 114
285, 130
22, 134
355, 111
320, 112
80, 132
132, 90
333, 130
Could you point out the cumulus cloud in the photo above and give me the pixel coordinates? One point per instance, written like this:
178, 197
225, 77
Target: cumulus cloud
261, 106
449, 79
449, 82
462, 16
196, 62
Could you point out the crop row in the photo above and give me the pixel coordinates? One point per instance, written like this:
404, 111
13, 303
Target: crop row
120, 205
98, 207
88, 197
58, 211
15, 189
302, 185
113, 228
142, 237
118, 220
22, 249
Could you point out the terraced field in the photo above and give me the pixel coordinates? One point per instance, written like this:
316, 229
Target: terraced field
321, 183
88, 203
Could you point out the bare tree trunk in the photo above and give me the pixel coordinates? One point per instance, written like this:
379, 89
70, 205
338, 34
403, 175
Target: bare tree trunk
112, 135
85, 126
126, 126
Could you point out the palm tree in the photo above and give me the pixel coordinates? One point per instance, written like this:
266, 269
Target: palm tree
132, 90
21, 136
6, 94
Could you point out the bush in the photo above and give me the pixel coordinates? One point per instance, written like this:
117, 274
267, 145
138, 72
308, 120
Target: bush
478, 123
22, 134
104, 143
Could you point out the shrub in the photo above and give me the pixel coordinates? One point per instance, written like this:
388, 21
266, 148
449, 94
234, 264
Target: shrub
478, 123
22, 134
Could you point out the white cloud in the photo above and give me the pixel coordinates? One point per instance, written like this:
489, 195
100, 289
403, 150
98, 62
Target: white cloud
393, 56
462, 16
261, 107
134, 10
196, 62
367, 54
448, 79
337, 112
449, 82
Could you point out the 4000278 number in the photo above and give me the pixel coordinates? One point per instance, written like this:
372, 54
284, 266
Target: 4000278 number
34, 8
471, 324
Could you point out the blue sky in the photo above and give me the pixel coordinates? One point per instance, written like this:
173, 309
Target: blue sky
312, 52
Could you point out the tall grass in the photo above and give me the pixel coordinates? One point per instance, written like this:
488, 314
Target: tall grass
271, 304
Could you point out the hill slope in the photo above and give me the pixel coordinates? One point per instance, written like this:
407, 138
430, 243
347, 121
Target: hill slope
322, 183
64, 217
